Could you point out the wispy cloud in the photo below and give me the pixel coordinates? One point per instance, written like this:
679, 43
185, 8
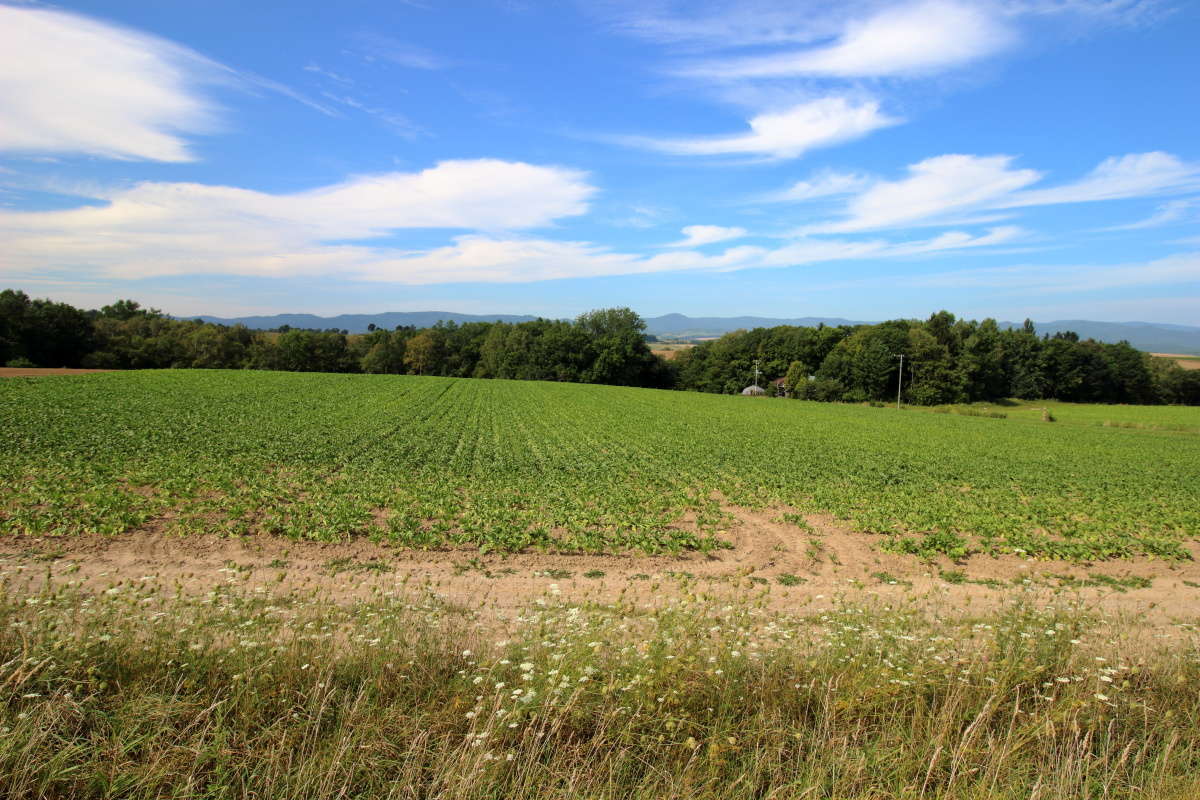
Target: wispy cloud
77, 85
824, 184
71, 84
740, 24
381, 47
946, 189
1133, 175
1169, 213
932, 189
329, 74
785, 134
910, 40
397, 122
700, 235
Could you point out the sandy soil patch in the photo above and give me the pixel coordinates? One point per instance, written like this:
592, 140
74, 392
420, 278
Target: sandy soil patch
789, 569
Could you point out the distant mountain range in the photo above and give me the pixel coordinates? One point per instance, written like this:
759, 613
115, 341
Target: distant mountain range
1150, 336
357, 323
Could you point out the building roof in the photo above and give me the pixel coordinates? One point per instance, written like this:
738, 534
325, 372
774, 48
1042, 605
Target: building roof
754, 388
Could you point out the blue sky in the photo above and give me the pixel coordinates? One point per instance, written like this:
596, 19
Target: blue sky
869, 160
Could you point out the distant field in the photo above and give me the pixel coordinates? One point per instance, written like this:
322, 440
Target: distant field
434, 462
1185, 361
1168, 418
670, 350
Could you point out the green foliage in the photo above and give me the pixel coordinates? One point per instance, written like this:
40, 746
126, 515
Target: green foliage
41, 332
947, 360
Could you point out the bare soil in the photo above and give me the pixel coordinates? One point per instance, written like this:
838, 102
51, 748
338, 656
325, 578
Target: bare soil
39, 372
791, 569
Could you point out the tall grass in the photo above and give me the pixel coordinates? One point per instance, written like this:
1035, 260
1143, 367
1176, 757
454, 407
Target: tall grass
135, 693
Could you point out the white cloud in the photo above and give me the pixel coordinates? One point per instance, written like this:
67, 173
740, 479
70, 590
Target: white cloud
823, 184
786, 134
186, 228
729, 23
915, 39
699, 235
808, 250
488, 259
945, 189
1119, 177
70, 84
1169, 213
175, 229
934, 188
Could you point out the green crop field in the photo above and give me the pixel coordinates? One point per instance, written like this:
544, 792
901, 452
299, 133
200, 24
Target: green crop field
432, 462
1184, 419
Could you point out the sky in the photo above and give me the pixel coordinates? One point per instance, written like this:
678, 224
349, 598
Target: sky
859, 159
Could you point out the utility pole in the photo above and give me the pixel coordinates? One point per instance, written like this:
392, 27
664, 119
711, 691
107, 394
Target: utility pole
899, 380
756, 372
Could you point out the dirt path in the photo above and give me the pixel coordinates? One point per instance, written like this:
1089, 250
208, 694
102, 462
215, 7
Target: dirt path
791, 569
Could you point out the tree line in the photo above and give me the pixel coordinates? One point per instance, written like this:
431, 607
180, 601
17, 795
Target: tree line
602, 346
947, 360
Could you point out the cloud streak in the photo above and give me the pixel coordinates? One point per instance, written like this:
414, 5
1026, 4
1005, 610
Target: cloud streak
784, 134
946, 189
911, 40
70, 84
700, 235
